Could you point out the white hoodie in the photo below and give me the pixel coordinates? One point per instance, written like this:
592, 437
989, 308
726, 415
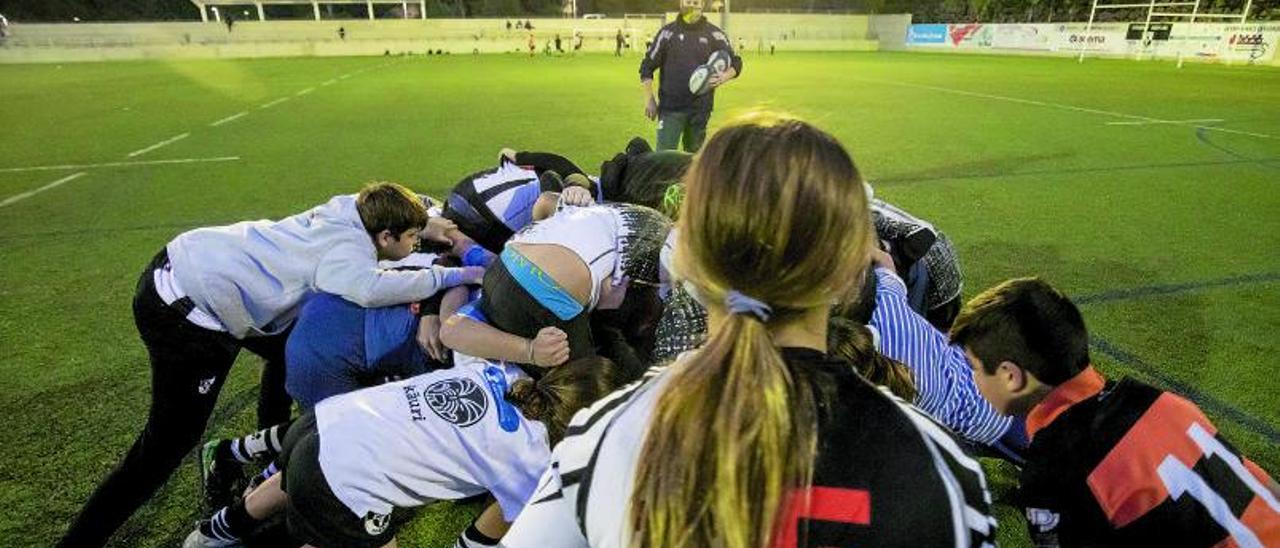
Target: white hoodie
253, 275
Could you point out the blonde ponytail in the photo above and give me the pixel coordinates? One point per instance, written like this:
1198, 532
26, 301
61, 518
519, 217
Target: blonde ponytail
774, 208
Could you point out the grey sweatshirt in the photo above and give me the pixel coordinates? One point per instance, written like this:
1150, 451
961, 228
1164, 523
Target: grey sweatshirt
254, 275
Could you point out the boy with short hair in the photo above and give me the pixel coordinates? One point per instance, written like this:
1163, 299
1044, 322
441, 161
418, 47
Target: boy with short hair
212, 291
1116, 463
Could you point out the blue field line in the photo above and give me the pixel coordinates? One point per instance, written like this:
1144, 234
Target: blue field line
1206, 402
1202, 136
1174, 288
913, 179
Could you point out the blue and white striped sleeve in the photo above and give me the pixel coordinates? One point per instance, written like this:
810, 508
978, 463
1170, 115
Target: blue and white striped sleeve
910, 339
945, 386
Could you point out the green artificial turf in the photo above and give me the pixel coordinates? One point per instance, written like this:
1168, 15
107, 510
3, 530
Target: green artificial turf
1013, 157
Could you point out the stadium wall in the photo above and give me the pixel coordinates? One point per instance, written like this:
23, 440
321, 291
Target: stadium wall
35, 43
1233, 43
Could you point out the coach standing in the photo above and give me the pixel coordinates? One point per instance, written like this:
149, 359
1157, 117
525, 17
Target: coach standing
679, 48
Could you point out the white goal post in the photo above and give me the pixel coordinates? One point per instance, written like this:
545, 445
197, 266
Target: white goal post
1167, 11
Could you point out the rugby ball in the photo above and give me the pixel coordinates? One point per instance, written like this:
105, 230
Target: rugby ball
719, 61
700, 80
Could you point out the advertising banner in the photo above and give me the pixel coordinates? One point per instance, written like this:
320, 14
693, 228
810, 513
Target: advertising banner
927, 35
1236, 43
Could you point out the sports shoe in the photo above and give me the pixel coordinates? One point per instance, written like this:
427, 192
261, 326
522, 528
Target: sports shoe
218, 476
198, 539
253, 483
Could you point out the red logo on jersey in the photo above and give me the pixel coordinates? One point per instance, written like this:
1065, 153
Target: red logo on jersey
823, 504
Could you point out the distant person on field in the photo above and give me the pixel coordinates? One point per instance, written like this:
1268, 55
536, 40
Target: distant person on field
508, 25
533, 46
4, 28
619, 40
679, 48
1111, 463
342, 33
558, 49
213, 291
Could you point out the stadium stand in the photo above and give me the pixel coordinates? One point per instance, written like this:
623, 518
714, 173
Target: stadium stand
116, 41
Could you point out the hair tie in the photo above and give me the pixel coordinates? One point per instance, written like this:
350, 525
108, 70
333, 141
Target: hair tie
737, 303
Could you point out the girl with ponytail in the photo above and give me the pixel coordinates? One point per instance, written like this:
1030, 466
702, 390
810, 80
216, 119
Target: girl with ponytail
759, 438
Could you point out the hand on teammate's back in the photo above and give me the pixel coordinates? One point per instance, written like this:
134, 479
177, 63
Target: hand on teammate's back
429, 337
473, 275
550, 347
436, 229
507, 153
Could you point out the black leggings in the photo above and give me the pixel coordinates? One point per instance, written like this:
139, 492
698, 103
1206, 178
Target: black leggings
188, 367
511, 308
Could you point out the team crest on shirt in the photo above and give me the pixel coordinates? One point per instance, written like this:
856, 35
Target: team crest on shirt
376, 524
1043, 520
459, 401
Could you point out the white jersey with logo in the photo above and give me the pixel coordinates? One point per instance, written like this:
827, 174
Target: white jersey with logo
440, 436
592, 233
509, 191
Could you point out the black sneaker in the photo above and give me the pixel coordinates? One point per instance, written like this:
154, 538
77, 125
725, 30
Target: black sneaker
219, 477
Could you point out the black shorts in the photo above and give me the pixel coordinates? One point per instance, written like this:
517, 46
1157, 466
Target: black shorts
314, 514
509, 307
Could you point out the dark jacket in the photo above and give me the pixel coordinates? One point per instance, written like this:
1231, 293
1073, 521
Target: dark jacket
677, 50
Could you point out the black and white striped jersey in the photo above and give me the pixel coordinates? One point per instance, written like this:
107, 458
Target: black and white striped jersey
896, 225
885, 474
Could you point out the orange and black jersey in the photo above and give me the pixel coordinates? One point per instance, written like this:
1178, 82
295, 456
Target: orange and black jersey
1124, 463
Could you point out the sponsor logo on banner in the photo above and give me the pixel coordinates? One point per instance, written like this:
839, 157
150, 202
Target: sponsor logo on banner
962, 33
1249, 43
927, 34
1021, 37
1253, 46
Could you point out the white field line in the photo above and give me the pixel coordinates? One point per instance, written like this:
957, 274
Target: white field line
304, 92
344, 76
276, 102
228, 119
64, 167
163, 143
30, 193
1143, 123
330, 82
1061, 106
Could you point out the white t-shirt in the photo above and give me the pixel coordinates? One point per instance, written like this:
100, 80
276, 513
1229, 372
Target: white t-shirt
444, 435
592, 233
